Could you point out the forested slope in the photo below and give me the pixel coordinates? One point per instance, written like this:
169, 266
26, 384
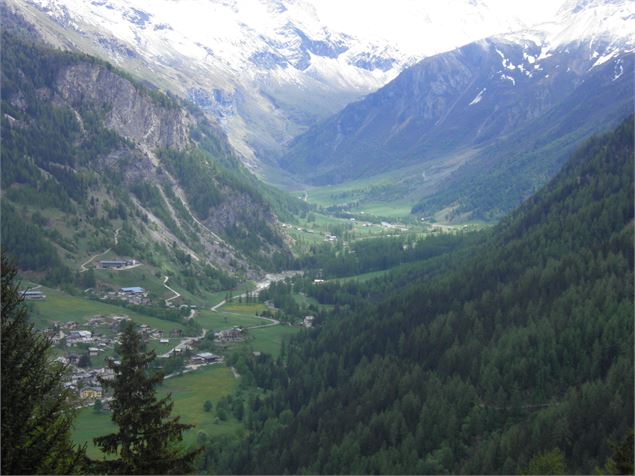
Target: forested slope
87, 149
525, 348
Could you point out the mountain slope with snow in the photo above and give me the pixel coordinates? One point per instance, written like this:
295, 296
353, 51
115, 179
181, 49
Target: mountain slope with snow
267, 69
489, 122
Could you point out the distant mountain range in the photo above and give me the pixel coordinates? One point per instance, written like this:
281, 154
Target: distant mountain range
488, 123
266, 69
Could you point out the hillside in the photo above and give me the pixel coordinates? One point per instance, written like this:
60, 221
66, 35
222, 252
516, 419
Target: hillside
523, 347
480, 128
87, 151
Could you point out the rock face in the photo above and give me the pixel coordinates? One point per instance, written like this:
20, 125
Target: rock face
128, 110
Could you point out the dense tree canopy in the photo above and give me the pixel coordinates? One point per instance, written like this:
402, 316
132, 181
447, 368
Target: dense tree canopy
36, 409
514, 354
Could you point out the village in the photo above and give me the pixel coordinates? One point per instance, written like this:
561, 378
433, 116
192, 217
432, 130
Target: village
76, 343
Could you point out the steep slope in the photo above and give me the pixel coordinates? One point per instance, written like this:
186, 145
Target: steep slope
86, 150
497, 115
267, 68
524, 346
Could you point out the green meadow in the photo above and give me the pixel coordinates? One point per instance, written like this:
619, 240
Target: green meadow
189, 393
269, 339
218, 320
60, 306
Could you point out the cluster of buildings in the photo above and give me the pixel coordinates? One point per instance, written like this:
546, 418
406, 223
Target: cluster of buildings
235, 334
85, 381
97, 335
133, 294
73, 338
308, 321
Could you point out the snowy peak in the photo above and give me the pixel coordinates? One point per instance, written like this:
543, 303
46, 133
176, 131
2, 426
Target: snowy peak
268, 69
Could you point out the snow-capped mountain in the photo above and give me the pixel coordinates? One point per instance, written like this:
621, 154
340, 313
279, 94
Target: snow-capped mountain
267, 69
495, 117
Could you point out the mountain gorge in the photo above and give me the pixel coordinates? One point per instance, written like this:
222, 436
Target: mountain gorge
87, 150
481, 127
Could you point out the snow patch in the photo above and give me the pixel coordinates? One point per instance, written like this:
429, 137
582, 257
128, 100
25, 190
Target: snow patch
621, 70
504, 76
478, 97
604, 58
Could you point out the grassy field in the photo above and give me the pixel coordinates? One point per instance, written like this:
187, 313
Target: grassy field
141, 276
223, 320
88, 425
251, 308
59, 306
189, 393
269, 339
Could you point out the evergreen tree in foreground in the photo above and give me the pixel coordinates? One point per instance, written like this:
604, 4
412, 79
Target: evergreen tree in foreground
146, 442
36, 415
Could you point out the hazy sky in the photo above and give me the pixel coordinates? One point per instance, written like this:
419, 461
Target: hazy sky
453, 21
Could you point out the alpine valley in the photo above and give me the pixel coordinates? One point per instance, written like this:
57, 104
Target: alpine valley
317, 237
478, 129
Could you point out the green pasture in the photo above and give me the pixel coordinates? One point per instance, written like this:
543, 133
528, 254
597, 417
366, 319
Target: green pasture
141, 276
269, 339
59, 306
217, 320
88, 425
246, 308
189, 393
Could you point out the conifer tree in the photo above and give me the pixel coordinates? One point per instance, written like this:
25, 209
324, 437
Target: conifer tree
148, 436
36, 415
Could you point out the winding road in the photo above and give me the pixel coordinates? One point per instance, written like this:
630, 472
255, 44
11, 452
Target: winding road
82, 267
260, 285
176, 294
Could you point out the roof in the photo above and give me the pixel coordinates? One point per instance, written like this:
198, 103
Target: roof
134, 289
206, 355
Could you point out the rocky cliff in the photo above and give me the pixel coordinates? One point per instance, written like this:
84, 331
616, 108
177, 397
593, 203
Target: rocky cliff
128, 109
90, 146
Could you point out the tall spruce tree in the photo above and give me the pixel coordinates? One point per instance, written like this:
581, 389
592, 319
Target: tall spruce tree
147, 440
36, 415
